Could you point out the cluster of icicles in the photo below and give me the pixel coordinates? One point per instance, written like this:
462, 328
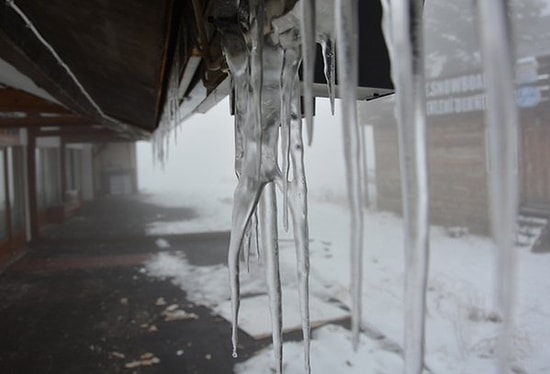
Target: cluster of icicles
264, 54
264, 58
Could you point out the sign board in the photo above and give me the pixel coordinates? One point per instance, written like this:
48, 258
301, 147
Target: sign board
466, 93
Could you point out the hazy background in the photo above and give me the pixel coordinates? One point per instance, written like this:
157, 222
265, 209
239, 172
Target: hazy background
201, 156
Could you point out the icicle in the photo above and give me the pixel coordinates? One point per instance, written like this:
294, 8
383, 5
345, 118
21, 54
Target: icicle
291, 63
502, 118
268, 224
297, 192
238, 61
255, 233
245, 250
266, 72
307, 26
239, 91
257, 73
285, 136
327, 46
347, 39
259, 164
364, 167
403, 28
300, 222
170, 119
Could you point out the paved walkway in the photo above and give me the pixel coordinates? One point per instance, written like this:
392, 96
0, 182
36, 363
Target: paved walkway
77, 302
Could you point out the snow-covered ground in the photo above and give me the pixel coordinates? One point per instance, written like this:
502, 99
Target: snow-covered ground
461, 323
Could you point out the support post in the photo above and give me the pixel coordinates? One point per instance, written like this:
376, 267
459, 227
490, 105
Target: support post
63, 170
31, 180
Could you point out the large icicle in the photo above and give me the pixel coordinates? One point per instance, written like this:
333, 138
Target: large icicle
238, 61
298, 198
262, 104
307, 26
268, 229
502, 118
404, 35
296, 191
347, 38
259, 163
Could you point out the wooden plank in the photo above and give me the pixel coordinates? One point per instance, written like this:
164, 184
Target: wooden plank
117, 94
12, 100
35, 122
97, 138
536, 168
20, 47
119, 59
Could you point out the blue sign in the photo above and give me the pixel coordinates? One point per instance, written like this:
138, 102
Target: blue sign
528, 97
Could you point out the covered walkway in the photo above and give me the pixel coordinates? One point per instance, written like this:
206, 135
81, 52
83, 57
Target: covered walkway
77, 302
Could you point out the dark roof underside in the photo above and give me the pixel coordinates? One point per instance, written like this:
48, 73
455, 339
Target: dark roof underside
116, 49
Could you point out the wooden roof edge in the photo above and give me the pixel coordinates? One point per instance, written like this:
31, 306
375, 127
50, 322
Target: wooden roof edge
22, 46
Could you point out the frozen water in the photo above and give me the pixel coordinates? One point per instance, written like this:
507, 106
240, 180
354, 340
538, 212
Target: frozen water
502, 118
307, 25
264, 74
298, 204
347, 38
327, 47
264, 65
290, 42
403, 25
270, 245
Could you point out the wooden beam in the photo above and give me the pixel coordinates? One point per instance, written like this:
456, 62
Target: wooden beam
33, 122
12, 100
86, 135
75, 130
97, 138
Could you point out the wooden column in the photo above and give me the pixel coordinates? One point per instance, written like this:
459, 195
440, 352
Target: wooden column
63, 170
133, 147
31, 180
7, 192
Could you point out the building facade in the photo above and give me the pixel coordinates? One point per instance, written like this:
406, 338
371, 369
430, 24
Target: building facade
458, 147
45, 178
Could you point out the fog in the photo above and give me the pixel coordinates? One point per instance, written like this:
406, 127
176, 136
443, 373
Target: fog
201, 155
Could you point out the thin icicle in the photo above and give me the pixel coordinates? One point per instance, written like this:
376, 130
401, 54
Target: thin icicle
502, 118
327, 46
307, 26
245, 250
403, 29
268, 228
285, 135
364, 166
257, 72
347, 39
255, 234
